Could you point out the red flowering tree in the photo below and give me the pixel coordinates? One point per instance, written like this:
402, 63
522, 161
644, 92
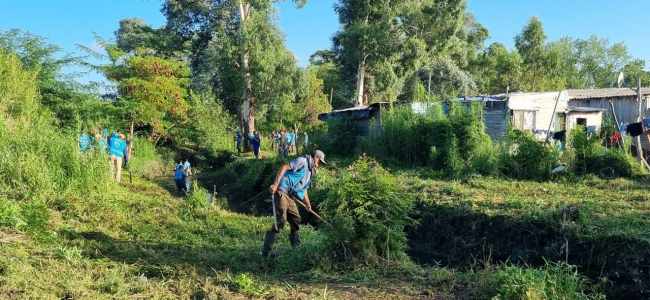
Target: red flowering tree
152, 89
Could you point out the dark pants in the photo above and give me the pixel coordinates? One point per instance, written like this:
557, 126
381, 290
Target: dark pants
256, 151
180, 186
238, 146
285, 210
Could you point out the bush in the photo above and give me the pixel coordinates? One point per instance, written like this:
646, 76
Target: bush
454, 143
341, 137
587, 156
553, 281
368, 211
526, 158
150, 162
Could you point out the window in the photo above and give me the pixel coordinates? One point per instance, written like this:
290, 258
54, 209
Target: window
560, 122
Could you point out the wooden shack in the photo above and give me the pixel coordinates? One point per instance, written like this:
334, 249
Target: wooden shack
537, 111
364, 116
620, 104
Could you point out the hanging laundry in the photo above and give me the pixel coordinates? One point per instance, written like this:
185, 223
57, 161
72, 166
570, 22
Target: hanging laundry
622, 128
646, 123
616, 138
635, 129
560, 135
591, 129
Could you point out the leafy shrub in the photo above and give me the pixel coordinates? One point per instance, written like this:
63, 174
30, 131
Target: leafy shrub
587, 156
368, 211
341, 137
148, 161
553, 281
526, 158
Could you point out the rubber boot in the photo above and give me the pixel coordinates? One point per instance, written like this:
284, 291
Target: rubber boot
269, 239
294, 239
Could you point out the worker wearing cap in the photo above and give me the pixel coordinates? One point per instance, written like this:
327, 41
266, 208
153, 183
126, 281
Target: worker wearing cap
116, 147
291, 182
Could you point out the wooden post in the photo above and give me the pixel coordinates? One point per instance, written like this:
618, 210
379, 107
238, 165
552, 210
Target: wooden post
214, 195
548, 133
618, 125
429, 86
639, 147
331, 95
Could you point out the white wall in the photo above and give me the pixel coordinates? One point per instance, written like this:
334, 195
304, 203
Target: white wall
542, 104
593, 119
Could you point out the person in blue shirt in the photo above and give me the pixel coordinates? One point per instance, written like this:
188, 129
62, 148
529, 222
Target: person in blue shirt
179, 179
84, 141
239, 140
305, 139
102, 144
276, 139
116, 148
290, 140
255, 143
291, 183
188, 171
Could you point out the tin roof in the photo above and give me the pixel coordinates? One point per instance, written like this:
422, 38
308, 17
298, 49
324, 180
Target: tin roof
356, 112
605, 93
584, 109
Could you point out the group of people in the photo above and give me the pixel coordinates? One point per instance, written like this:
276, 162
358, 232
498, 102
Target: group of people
115, 145
181, 172
284, 140
254, 142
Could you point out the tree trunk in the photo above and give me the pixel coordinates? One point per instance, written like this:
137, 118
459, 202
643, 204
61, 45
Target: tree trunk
360, 79
248, 101
130, 141
429, 85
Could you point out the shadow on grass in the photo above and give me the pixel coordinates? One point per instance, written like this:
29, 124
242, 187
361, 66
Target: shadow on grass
460, 237
160, 260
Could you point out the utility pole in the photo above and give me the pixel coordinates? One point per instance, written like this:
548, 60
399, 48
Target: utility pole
639, 147
331, 95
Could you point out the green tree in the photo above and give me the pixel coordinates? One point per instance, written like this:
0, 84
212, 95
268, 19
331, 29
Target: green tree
72, 103
497, 69
387, 42
241, 40
530, 44
151, 89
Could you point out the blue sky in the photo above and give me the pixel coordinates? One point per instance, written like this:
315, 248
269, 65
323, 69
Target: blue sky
71, 22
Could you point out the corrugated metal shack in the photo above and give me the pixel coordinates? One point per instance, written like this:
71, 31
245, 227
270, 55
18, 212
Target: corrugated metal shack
364, 116
620, 104
534, 112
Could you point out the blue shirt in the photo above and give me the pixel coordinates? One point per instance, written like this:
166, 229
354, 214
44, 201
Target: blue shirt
103, 144
179, 174
116, 146
296, 181
290, 137
239, 138
305, 138
186, 165
255, 141
84, 141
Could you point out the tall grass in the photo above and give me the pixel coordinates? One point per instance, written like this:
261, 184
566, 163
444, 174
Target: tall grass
40, 166
37, 161
454, 143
